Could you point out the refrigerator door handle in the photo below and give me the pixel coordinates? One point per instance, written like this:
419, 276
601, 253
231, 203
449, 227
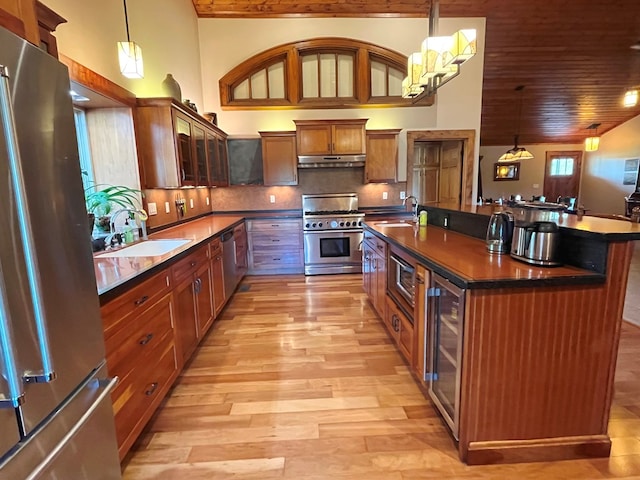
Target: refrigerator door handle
47, 374
15, 395
110, 384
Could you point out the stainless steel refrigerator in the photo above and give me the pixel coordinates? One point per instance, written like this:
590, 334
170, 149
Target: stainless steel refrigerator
56, 418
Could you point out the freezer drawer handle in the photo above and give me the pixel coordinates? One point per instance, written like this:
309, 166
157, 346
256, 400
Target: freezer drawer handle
37, 472
141, 300
17, 178
146, 339
152, 389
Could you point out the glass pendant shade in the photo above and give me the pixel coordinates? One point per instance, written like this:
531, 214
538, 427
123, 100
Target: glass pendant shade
591, 144
130, 57
516, 153
463, 47
411, 86
433, 52
631, 98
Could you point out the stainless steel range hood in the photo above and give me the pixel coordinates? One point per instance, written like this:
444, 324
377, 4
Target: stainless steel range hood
320, 161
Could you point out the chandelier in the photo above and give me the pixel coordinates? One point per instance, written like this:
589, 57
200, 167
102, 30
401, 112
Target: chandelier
439, 58
592, 143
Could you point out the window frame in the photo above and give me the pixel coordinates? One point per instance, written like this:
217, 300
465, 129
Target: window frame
291, 54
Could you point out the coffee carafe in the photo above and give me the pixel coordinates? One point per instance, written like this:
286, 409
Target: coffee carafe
499, 232
536, 243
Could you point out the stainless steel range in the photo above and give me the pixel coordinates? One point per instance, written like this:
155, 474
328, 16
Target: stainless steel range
332, 233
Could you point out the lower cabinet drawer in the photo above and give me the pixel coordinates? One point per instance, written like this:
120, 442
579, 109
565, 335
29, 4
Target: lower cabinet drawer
281, 258
139, 393
127, 346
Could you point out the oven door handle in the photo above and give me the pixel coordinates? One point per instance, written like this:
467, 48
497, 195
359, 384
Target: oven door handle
329, 232
401, 263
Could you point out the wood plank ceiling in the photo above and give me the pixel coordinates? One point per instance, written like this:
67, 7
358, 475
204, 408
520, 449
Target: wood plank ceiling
573, 57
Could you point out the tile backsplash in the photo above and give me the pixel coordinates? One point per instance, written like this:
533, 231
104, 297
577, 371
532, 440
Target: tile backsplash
259, 197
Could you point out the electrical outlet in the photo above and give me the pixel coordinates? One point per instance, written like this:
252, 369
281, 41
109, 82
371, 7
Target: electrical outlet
403, 195
272, 198
207, 200
385, 195
167, 207
191, 202
153, 209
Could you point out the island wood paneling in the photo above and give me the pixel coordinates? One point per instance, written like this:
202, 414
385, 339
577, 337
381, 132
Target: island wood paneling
538, 368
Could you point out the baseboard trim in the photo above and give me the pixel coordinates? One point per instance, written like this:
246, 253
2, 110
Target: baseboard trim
538, 450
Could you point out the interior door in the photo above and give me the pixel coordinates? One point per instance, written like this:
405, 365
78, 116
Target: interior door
562, 175
450, 169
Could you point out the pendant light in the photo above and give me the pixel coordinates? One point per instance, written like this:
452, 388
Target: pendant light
517, 153
591, 143
631, 97
130, 54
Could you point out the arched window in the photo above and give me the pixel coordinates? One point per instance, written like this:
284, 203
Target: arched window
318, 73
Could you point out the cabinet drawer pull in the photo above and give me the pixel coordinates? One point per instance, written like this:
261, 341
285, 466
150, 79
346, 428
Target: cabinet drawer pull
275, 226
193, 264
276, 259
141, 300
151, 390
146, 339
379, 247
275, 240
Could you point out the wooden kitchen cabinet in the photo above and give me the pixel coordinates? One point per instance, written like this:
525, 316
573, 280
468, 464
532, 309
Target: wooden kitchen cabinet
279, 159
177, 147
193, 299
217, 274
401, 330
19, 17
331, 137
375, 271
382, 156
275, 246
139, 332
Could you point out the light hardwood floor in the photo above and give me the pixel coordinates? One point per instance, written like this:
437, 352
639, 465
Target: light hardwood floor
298, 380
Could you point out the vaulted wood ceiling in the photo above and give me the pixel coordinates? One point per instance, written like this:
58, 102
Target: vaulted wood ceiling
574, 57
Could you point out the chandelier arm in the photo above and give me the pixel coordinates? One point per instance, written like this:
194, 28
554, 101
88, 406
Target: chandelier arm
126, 20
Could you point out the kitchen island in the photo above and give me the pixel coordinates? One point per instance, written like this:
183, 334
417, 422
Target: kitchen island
533, 376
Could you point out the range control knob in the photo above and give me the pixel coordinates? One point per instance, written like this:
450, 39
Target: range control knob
342, 224
320, 224
314, 224
334, 224
307, 225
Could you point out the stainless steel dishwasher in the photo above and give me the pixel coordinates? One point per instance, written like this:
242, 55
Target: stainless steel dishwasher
229, 263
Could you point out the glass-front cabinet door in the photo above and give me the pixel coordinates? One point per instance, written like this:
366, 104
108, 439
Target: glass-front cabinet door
446, 348
184, 140
202, 170
217, 161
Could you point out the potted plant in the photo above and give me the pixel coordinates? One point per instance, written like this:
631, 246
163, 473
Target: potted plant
101, 203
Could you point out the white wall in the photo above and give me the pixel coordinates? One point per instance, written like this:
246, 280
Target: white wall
167, 34
602, 186
225, 43
531, 182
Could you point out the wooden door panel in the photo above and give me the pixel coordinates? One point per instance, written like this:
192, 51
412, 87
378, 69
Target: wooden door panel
348, 139
562, 185
314, 140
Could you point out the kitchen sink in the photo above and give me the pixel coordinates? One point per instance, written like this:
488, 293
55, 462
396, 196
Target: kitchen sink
148, 248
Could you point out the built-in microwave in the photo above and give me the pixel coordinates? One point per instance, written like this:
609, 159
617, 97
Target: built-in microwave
401, 283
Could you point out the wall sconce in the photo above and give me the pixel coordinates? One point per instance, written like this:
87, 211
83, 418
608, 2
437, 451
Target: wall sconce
130, 54
591, 143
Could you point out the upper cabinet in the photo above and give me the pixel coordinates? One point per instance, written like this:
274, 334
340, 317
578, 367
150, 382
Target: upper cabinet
331, 137
19, 16
177, 147
382, 156
279, 158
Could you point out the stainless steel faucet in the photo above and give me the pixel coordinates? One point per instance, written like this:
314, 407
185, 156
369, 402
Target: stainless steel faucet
142, 216
414, 206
